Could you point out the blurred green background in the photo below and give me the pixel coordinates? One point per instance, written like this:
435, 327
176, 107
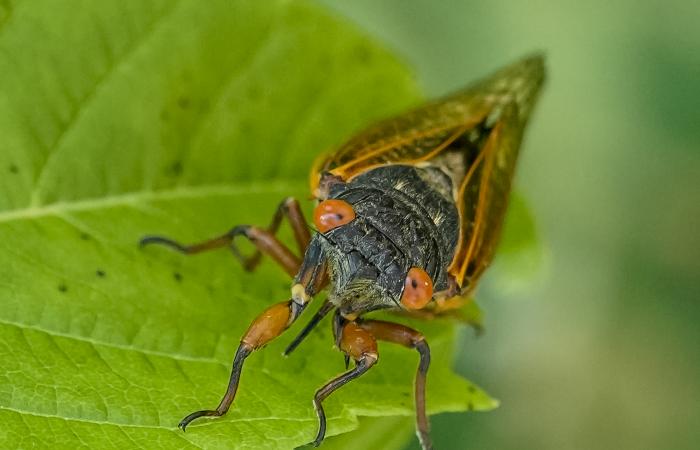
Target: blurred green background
601, 350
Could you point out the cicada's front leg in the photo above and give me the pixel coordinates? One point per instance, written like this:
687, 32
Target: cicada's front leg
263, 239
358, 344
267, 326
270, 324
410, 338
358, 340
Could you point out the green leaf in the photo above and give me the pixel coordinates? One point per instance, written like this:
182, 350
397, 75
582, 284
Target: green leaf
520, 257
121, 118
386, 433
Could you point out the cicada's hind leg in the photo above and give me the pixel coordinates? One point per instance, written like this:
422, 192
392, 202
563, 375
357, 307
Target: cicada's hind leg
263, 239
268, 325
408, 337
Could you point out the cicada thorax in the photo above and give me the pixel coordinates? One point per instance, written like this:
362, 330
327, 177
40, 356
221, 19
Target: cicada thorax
404, 218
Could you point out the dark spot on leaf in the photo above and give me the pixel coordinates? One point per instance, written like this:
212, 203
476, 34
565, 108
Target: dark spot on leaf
62, 287
14, 169
175, 168
85, 236
470, 406
183, 102
100, 273
177, 276
471, 389
164, 115
405, 394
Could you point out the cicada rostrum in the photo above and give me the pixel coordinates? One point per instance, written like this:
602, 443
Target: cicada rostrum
408, 217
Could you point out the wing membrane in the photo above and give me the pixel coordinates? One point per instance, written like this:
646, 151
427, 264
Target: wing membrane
483, 200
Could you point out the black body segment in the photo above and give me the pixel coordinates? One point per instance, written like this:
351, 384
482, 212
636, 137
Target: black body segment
405, 217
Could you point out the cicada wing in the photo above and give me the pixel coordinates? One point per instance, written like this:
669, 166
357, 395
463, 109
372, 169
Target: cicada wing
482, 198
415, 136
430, 130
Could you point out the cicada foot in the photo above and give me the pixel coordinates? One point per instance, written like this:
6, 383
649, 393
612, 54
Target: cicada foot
263, 239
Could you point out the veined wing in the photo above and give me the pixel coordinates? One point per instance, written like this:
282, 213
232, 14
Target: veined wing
427, 131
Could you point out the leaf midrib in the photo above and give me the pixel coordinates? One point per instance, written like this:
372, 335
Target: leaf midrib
137, 198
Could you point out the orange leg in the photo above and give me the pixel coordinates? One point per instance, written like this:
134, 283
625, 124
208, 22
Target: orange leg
263, 239
266, 327
357, 344
408, 337
290, 209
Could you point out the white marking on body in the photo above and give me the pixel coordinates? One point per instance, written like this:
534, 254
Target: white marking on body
399, 185
299, 295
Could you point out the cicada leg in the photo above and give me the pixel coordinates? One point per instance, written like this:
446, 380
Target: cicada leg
361, 346
408, 337
263, 239
325, 308
358, 340
267, 326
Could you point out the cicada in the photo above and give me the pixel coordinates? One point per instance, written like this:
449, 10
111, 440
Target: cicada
408, 216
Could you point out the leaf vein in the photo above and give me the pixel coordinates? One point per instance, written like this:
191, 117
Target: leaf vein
95, 342
23, 412
135, 199
255, 54
91, 95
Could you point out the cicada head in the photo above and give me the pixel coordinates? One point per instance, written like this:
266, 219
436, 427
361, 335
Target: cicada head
359, 290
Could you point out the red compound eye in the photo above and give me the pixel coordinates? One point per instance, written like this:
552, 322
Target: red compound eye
332, 213
418, 289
